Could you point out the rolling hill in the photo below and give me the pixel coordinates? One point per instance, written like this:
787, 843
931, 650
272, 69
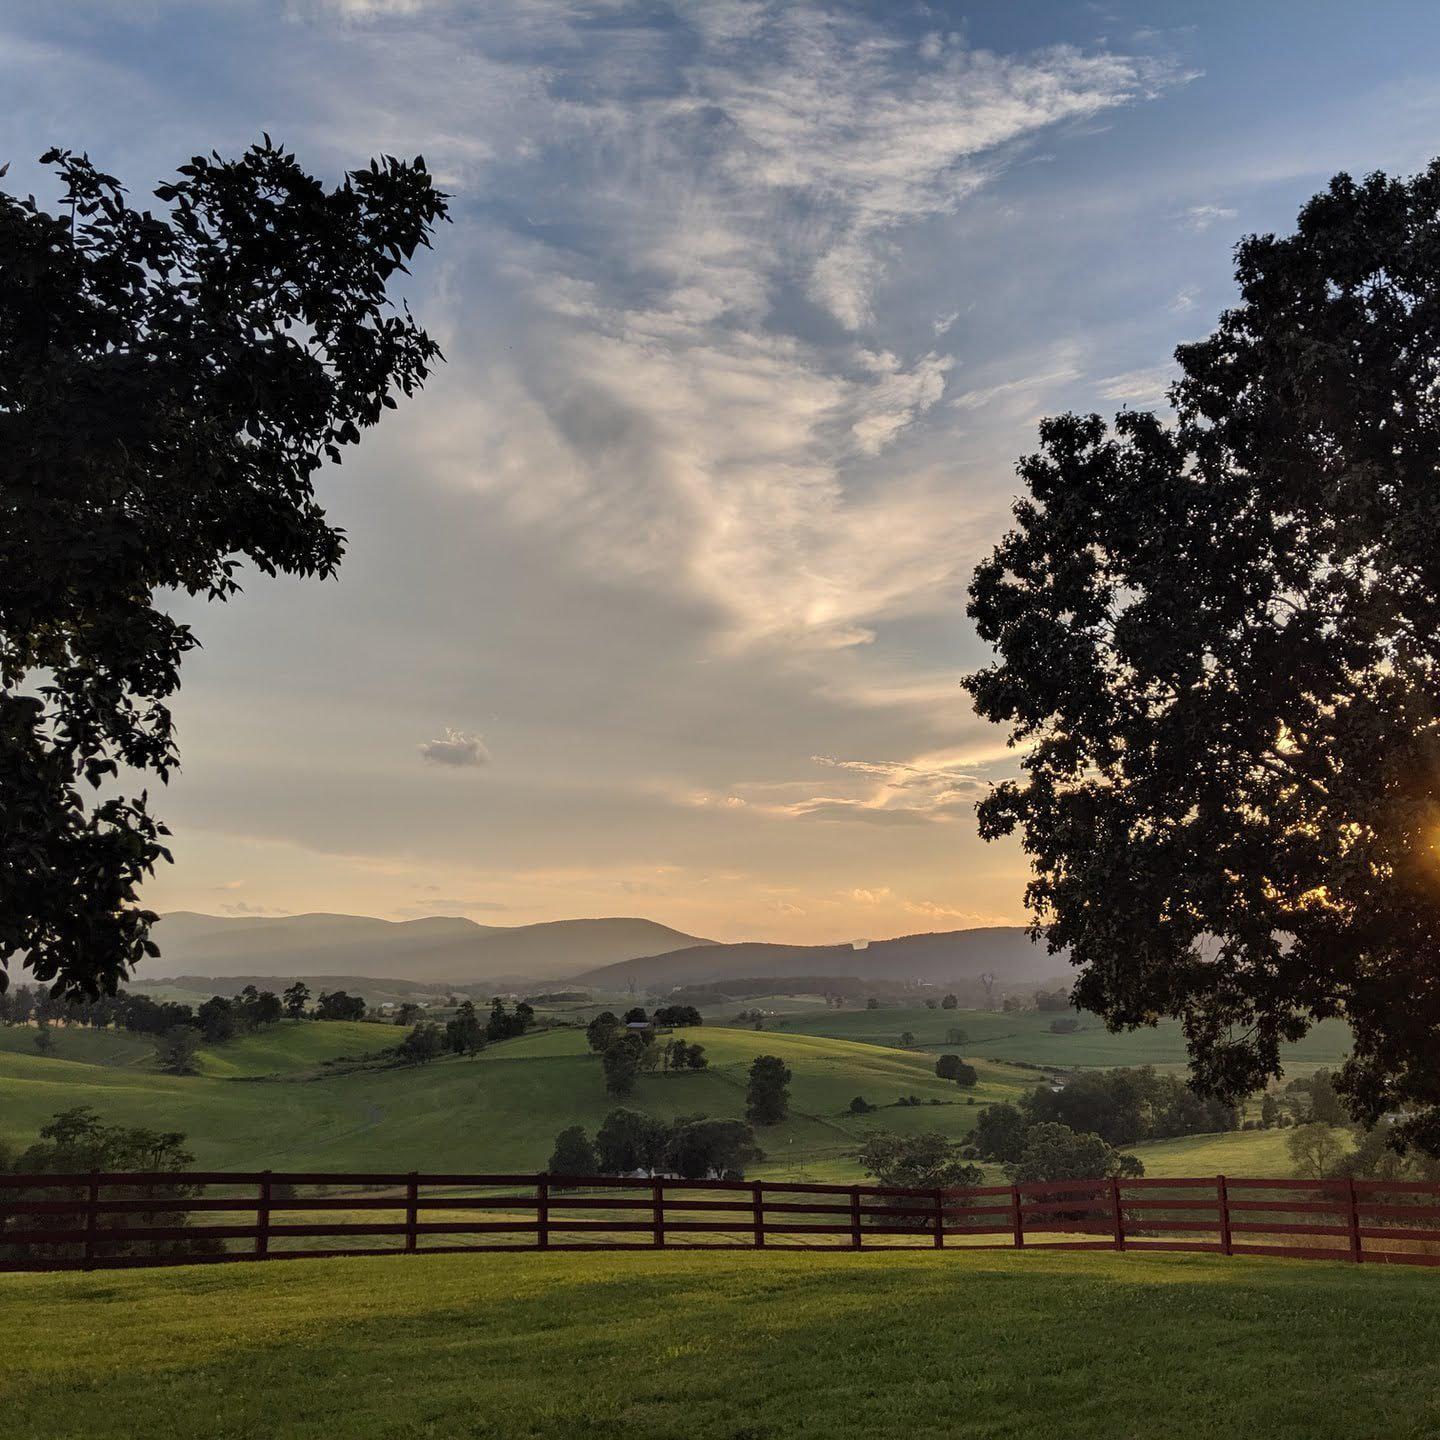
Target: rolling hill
266, 1101
940, 958
443, 949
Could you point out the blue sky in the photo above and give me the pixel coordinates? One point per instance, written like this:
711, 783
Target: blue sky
655, 599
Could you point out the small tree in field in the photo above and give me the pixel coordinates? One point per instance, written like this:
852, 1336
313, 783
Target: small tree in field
947, 1065
622, 1065
950, 1002
767, 1095
1317, 1150
601, 1031
296, 998
573, 1153
999, 1133
175, 1050
922, 1162
44, 1038
423, 1044
1055, 1152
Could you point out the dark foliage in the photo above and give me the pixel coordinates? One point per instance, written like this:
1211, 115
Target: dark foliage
170, 383
692, 1146
76, 1142
767, 1093
677, 1015
1219, 642
1126, 1106
337, 1005
1056, 1152
465, 1035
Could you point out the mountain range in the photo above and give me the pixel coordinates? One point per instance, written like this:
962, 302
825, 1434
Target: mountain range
446, 949
616, 953
940, 958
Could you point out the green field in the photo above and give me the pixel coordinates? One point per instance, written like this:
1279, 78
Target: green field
1025, 1035
499, 1111
268, 1100
984, 1346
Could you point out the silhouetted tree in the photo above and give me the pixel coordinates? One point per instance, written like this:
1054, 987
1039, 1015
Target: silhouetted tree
297, 997
218, 351
1249, 599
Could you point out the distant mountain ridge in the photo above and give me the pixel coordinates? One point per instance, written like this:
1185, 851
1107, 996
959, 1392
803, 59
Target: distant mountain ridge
937, 958
445, 949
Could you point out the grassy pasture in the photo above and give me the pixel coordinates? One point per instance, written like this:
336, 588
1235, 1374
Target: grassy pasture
266, 1101
1025, 1035
984, 1346
500, 1110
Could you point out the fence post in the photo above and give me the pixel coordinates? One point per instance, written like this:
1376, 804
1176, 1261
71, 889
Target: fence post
757, 1206
262, 1218
92, 1218
412, 1210
1017, 1221
1222, 1196
542, 1211
854, 1217
657, 1195
1357, 1254
1117, 1212
939, 1219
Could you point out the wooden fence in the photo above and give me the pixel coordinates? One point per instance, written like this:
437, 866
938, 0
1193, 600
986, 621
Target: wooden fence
65, 1222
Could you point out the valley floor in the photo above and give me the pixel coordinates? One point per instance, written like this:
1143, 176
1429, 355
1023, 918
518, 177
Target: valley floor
711, 1347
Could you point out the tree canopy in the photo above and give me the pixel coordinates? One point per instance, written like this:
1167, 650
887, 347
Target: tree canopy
170, 383
1219, 645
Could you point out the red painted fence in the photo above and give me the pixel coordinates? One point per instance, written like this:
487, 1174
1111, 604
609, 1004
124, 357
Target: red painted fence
66, 1222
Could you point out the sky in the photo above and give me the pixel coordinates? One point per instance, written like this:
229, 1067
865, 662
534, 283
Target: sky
654, 601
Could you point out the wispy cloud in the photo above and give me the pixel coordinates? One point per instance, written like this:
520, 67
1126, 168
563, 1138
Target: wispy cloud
1202, 217
1143, 388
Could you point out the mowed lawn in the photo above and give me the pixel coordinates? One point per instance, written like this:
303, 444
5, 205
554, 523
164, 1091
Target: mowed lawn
716, 1347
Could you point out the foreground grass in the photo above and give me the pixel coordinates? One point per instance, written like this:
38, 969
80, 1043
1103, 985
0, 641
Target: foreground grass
745, 1347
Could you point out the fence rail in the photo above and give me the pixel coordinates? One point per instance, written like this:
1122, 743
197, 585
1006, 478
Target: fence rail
100, 1221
